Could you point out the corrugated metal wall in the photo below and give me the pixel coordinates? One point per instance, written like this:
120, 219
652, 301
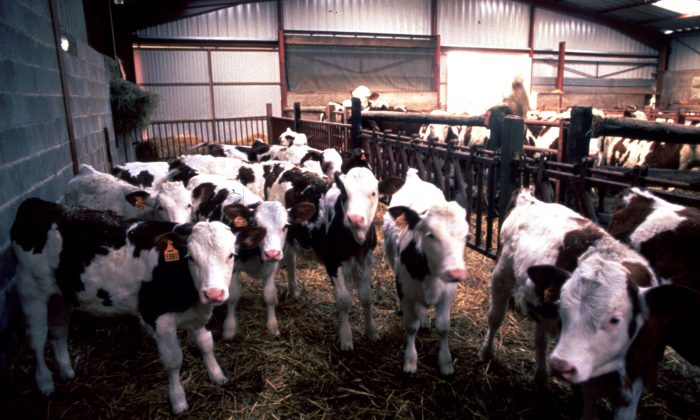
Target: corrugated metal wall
478, 23
242, 82
581, 35
377, 16
685, 53
250, 21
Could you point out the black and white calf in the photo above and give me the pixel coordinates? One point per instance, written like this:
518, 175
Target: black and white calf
666, 234
424, 240
263, 261
103, 264
142, 174
211, 193
536, 235
168, 201
341, 234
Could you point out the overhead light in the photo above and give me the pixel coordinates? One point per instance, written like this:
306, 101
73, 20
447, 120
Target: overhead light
684, 7
668, 31
118, 2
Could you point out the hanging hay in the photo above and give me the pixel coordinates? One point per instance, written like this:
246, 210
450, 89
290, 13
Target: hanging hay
303, 373
132, 107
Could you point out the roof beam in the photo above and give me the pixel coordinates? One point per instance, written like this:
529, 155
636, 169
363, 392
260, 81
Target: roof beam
626, 6
643, 35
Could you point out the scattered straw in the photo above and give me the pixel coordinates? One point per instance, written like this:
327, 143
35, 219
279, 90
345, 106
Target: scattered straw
303, 373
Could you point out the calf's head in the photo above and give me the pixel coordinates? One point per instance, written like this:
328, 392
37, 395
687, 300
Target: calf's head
272, 216
173, 203
440, 236
359, 194
210, 255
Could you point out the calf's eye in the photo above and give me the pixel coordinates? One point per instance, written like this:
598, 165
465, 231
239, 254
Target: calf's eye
614, 320
230, 256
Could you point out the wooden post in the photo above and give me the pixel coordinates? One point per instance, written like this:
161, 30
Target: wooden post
297, 115
355, 124
576, 150
513, 136
268, 114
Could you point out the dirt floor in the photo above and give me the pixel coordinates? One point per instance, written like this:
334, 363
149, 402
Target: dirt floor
303, 374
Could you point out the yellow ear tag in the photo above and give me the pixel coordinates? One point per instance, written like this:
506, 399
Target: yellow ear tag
140, 204
401, 221
239, 221
170, 254
550, 295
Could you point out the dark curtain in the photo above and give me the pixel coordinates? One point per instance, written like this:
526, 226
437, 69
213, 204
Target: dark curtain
318, 68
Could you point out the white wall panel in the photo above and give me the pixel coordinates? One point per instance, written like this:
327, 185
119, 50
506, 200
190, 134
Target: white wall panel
170, 66
483, 23
245, 101
245, 66
251, 21
685, 53
181, 102
581, 35
410, 17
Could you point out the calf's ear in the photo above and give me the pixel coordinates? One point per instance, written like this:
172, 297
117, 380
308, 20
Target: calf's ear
548, 280
238, 215
301, 212
404, 216
677, 310
250, 237
203, 191
391, 185
161, 241
138, 199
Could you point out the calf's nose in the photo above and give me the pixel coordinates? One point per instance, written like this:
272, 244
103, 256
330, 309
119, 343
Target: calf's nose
274, 255
215, 295
356, 220
562, 368
456, 275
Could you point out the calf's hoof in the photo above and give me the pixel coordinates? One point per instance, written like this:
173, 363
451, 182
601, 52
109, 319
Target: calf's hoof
179, 407
485, 354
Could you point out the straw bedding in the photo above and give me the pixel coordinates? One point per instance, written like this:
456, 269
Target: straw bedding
303, 374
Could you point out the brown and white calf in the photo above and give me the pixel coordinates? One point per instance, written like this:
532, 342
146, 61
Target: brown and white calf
261, 262
341, 234
536, 234
168, 201
666, 234
168, 275
424, 240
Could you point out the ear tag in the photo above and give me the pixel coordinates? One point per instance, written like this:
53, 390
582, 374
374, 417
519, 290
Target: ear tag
550, 295
401, 221
140, 204
170, 253
240, 222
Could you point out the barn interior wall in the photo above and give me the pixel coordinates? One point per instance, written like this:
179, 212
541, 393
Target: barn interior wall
550, 101
35, 159
415, 101
681, 90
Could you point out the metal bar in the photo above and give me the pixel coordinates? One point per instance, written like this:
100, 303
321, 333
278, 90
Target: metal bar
416, 117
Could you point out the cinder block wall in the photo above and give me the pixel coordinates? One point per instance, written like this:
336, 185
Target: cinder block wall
35, 157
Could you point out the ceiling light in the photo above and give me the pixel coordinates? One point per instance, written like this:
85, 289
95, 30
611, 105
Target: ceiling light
684, 7
65, 43
668, 31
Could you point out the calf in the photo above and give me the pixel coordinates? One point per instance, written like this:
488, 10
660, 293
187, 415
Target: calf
100, 263
169, 201
439, 132
263, 261
424, 242
211, 193
535, 233
341, 234
331, 161
666, 234
142, 174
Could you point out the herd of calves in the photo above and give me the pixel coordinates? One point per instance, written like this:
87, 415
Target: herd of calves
172, 247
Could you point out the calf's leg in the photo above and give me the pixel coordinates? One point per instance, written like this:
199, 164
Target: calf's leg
343, 302
411, 320
59, 317
502, 282
234, 295
205, 342
442, 324
171, 357
270, 296
364, 295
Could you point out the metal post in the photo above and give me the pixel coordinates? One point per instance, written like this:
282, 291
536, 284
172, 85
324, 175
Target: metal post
513, 138
268, 114
560, 72
355, 124
576, 150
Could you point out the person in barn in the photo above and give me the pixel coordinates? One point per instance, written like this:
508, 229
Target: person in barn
517, 103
